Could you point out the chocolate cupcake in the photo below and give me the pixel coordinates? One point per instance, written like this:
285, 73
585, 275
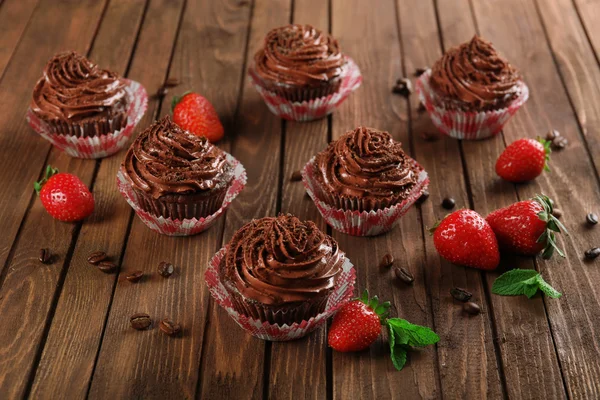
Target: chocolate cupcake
474, 77
365, 170
299, 63
77, 98
281, 270
175, 174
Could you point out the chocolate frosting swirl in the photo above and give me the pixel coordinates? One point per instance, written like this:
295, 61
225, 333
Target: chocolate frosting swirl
165, 159
475, 75
73, 89
366, 163
299, 55
282, 260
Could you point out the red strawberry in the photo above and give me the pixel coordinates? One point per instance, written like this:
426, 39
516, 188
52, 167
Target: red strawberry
527, 227
194, 113
523, 160
465, 238
64, 196
357, 324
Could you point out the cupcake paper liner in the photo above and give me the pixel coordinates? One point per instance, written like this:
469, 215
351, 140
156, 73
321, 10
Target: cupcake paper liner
101, 145
185, 227
361, 223
312, 109
341, 294
468, 125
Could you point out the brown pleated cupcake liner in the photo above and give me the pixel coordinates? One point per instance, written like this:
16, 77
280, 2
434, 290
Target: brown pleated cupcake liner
89, 128
299, 94
355, 204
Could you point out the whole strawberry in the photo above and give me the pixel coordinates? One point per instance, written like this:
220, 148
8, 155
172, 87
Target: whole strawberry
195, 114
523, 160
358, 324
64, 196
527, 227
465, 238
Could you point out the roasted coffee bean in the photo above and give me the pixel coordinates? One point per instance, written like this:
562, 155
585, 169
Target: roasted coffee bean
553, 134
172, 82
429, 136
403, 87
296, 176
592, 253
471, 308
560, 142
461, 294
140, 321
404, 275
96, 257
420, 71
135, 276
448, 203
45, 256
387, 261
165, 269
162, 92
107, 266
591, 219
557, 213
424, 196
169, 327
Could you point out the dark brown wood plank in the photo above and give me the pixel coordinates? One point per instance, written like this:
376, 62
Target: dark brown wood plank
463, 337
208, 58
514, 317
14, 16
589, 14
298, 368
26, 295
257, 146
374, 44
65, 368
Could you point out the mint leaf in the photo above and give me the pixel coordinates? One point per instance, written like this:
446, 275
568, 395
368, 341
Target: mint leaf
403, 335
522, 282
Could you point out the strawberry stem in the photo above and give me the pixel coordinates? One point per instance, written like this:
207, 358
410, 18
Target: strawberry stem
177, 99
547, 150
50, 171
548, 238
381, 309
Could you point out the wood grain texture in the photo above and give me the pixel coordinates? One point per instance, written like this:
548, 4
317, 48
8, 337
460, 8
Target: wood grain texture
298, 368
65, 368
210, 45
466, 355
257, 146
27, 292
370, 36
14, 16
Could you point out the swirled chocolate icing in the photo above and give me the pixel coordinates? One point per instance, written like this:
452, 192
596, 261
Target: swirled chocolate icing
165, 159
279, 260
74, 89
366, 164
475, 76
299, 55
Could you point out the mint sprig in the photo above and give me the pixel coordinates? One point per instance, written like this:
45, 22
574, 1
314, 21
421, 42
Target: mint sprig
526, 282
403, 335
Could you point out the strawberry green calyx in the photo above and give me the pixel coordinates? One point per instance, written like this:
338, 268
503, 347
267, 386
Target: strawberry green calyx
547, 150
47, 175
553, 226
381, 309
177, 99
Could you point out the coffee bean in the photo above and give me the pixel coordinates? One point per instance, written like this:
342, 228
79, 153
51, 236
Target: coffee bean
448, 203
591, 219
557, 213
553, 134
403, 87
96, 257
296, 176
135, 276
172, 82
107, 266
165, 269
471, 308
461, 294
404, 275
421, 108
420, 71
140, 321
424, 196
429, 136
592, 253
560, 142
169, 327
162, 92
45, 256
387, 261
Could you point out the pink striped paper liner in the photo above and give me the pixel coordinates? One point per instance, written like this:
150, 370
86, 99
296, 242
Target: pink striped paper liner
99, 146
467, 125
341, 294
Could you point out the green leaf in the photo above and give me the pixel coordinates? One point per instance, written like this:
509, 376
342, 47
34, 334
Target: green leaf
522, 282
398, 352
403, 335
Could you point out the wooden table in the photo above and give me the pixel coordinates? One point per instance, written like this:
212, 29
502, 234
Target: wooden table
64, 328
